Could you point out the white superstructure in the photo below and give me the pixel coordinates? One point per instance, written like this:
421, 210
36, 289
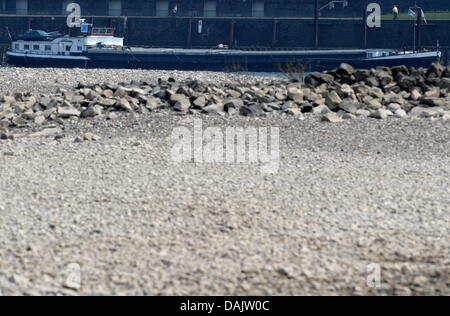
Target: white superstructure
64, 47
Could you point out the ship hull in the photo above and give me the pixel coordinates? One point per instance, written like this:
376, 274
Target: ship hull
47, 61
223, 60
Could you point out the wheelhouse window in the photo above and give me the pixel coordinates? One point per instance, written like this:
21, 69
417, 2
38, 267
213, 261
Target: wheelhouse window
36, 47
26, 47
68, 48
80, 48
48, 48
17, 46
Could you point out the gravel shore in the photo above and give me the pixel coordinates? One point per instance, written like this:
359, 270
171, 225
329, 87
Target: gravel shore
47, 80
346, 197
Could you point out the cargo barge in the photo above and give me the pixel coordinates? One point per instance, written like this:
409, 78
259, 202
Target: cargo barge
101, 49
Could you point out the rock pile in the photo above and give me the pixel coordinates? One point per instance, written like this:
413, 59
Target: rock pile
384, 91
344, 93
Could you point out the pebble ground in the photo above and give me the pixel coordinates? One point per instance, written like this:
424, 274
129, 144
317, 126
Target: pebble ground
345, 196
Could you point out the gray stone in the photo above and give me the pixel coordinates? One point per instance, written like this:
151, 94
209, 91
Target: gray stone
152, 103
266, 108
107, 102
399, 70
345, 69
6, 136
111, 116
8, 99
214, 108
90, 137
233, 93
438, 102
233, 103
372, 82
251, 110
433, 93
380, 114
92, 111
423, 112
406, 82
437, 69
200, 102
293, 111
349, 106
182, 106
51, 131
295, 94
374, 104
362, 74
66, 112
400, 113
122, 92
39, 120
348, 116
363, 112
345, 91
177, 98
446, 116
394, 107
415, 95
321, 109
280, 96
4, 123
445, 83
123, 104
19, 122
315, 79
108, 93
29, 115
274, 106
384, 78
333, 100
332, 117
48, 112
20, 280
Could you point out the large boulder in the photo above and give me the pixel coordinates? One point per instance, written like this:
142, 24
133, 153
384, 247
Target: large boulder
445, 83
332, 117
406, 82
233, 103
333, 100
183, 105
345, 70
424, 112
315, 79
384, 78
372, 81
437, 69
295, 94
380, 114
362, 74
215, 108
251, 110
349, 106
399, 70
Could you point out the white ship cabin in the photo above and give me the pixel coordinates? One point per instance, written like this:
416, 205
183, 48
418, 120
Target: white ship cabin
67, 46
63, 46
103, 36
